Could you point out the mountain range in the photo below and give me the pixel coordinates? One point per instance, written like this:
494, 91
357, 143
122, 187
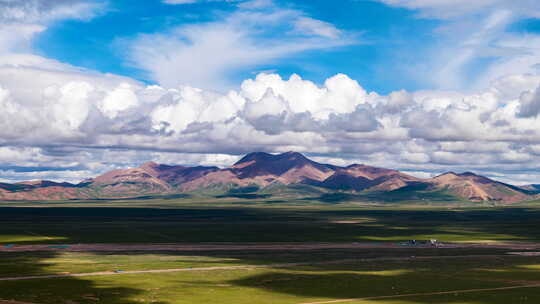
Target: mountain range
261, 172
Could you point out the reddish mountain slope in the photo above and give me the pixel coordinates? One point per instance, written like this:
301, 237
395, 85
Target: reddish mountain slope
478, 188
292, 167
133, 180
45, 183
40, 190
261, 169
149, 178
46, 193
371, 172
381, 179
176, 175
344, 181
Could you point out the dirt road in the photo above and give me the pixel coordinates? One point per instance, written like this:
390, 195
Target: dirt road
250, 246
423, 294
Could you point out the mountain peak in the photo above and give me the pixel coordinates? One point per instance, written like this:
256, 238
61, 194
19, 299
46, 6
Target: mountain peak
293, 155
267, 157
468, 173
261, 163
464, 174
253, 156
449, 173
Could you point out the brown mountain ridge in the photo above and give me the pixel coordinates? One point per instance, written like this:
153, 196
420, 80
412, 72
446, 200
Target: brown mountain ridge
261, 170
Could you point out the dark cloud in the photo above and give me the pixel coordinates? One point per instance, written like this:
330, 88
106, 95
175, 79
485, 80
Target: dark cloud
529, 104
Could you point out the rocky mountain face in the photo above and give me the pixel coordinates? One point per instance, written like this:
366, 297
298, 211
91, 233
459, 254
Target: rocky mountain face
261, 170
41, 190
478, 188
148, 178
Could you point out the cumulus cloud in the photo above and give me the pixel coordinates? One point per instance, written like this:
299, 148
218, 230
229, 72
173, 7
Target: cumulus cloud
399, 101
341, 104
118, 100
360, 120
75, 120
268, 105
529, 103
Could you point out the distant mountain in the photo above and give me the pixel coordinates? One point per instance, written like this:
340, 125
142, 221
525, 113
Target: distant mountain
41, 190
361, 177
287, 168
382, 179
533, 188
264, 173
478, 188
264, 169
45, 184
5, 187
148, 179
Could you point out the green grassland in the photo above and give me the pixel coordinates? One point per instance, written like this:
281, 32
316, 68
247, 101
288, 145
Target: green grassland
301, 284
267, 220
192, 223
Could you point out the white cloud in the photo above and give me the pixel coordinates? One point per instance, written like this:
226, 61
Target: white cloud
21, 20
71, 109
43, 11
256, 4
529, 103
118, 100
207, 55
340, 94
473, 46
415, 157
448, 9
173, 2
310, 26
268, 104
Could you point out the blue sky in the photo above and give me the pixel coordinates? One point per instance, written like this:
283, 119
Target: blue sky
418, 85
384, 38
385, 42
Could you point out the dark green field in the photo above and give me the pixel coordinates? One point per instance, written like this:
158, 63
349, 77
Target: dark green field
190, 223
334, 274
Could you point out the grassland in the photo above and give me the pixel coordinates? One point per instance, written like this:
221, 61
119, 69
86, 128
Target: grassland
192, 223
301, 284
356, 273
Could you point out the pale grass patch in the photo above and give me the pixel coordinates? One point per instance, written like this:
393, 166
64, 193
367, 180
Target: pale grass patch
530, 267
